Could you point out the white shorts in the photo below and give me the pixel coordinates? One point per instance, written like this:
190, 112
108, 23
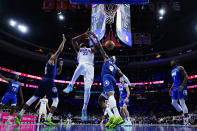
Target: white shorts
42, 111
88, 73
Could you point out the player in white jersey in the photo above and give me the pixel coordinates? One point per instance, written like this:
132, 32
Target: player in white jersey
43, 107
85, 57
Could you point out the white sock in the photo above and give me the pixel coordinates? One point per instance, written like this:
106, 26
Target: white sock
183, 105
39, 117
112, 104
116, 112
22, 112
86, 98
176, 105
49, 116
128, 119
77, 73
109, 112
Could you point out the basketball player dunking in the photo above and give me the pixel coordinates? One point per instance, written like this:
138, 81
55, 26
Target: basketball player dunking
85, 57
109, 70
47, 86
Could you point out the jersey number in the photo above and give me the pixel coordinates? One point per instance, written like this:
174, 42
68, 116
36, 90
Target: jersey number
14, 89
85, 53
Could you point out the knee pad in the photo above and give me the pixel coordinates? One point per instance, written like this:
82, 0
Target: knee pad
55, 102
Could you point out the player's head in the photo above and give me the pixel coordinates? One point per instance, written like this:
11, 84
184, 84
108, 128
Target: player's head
45, 97
174, 63
113, 59
16, 77
82, 45
121, 80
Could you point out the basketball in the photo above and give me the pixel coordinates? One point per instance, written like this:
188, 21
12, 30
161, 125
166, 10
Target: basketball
109, 45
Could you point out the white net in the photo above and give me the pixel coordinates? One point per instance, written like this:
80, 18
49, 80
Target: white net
109, 12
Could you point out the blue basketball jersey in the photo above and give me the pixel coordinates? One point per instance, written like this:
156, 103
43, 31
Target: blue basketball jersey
13, 87
109, 68
50, 71
123, 92
177, 78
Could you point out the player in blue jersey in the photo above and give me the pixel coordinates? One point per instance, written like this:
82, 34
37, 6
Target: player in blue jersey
178, 91
109, 70
11, 94
47, 86
124, 101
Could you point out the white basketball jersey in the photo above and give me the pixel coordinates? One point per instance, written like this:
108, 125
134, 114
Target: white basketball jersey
43, 103
85, 56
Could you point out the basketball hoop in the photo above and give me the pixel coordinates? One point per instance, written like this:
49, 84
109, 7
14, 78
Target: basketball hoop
109, 11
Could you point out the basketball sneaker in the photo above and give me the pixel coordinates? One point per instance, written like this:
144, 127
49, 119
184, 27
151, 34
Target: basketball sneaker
84, 115
68, 89
111, 119
49, 122
116, 122
17, 119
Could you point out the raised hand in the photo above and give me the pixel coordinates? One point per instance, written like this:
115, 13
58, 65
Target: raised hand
64, 39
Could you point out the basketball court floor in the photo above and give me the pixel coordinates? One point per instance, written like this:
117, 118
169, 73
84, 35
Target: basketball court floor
38, 127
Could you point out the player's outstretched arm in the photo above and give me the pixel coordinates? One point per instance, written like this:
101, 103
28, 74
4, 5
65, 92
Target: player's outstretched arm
6, 79
79, 37
128, 92
37, 104
99, 46
185, 75
59, 69
124, 77
21, 95
57, 53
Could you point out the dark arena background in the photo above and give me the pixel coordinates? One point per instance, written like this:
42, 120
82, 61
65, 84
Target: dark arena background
147, 36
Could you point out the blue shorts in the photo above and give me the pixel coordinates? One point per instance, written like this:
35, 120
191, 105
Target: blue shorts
176, 94
109, 82
9, 97
46, 87
122, 103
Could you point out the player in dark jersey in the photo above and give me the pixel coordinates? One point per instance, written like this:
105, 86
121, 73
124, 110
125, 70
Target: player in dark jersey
11, 94
124, 101
178, 91
109, 70
47, 86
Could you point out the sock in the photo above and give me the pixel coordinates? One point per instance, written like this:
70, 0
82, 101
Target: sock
9, 118
49, 116
22, 112
109, 112
77, 73
116, 112
128, 119
86, 98
112, 104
